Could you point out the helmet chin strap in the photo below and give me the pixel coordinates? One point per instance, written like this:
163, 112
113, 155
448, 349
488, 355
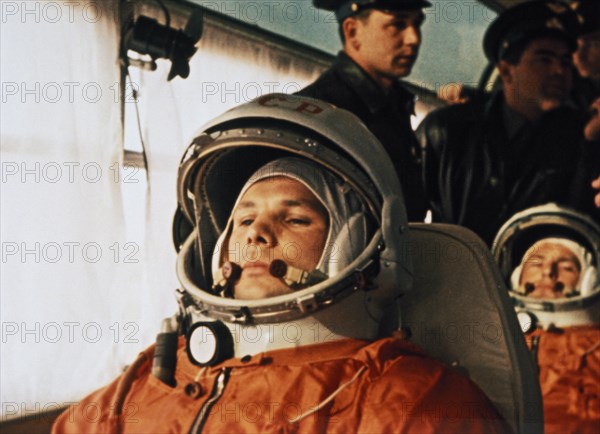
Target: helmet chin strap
294, 277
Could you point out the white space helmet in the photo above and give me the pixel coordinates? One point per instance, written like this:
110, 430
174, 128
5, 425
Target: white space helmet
517, 242
352, 296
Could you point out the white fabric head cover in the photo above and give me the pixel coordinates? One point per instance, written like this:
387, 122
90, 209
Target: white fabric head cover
348, 224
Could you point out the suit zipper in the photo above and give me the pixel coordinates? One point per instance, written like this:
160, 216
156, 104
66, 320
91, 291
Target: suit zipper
216, 393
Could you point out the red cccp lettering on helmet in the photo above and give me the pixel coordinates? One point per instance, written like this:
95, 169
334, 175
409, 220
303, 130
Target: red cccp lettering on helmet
289, 103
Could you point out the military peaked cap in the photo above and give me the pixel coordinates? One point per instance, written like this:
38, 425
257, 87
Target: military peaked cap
588, 13
346, 8
527, 21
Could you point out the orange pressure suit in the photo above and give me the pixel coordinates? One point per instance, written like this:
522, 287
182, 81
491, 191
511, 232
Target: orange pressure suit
345, 386
569, 364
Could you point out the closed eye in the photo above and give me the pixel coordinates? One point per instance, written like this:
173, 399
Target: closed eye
298, 221
243, 221
568, 268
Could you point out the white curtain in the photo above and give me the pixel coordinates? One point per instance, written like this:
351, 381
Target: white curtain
62, 228
85, 279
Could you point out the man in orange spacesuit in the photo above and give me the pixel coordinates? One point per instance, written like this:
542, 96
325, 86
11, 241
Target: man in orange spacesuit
556, 288
286, 293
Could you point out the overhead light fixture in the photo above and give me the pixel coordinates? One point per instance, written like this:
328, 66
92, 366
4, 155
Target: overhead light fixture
146, 36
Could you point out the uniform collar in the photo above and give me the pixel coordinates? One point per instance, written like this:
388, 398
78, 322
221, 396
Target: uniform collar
371, 94
513, 121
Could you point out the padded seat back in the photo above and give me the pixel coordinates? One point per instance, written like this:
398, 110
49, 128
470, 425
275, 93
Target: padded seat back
459, 311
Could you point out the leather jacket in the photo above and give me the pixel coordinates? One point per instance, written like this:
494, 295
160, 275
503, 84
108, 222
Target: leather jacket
386, 114
478, 177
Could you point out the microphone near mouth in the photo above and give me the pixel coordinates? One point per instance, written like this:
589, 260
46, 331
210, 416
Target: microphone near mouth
296, 278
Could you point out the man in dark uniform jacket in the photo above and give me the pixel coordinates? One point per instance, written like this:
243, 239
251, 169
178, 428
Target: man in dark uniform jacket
587, 87
587, 56
485, 161
381, 40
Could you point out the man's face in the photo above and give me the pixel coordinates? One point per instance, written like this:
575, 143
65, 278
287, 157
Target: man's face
276, 218
587, 56
542, 78
550, 268
387, 43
